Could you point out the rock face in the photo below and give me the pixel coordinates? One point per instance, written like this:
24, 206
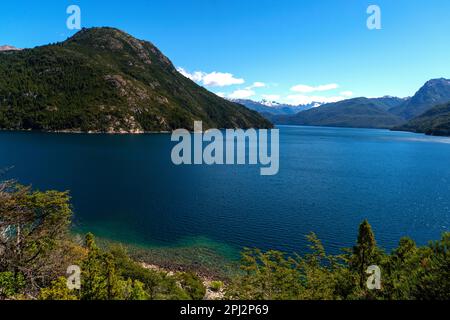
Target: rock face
104, 80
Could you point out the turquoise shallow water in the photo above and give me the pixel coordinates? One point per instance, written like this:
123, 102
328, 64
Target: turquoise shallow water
126, 188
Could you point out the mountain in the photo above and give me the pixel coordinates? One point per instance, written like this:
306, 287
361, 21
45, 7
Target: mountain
104, 80
388, 102
273, 107
384, 112
356, 112
434, 92
8, 48
435, 121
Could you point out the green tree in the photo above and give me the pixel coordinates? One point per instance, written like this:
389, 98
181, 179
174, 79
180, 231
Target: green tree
216, 286
268, 275
365, 253
58, 291
159, 285
94, 285
132, 290
318, 272
114, 284
101, 279
33, 226
11, 284
433, 283
192, 284
401, 270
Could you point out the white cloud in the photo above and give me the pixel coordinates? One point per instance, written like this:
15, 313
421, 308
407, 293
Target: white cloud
221, 94
298, 99
213, 79
307, 89
257, 85
346, 93
219, 79
271, 97
242, 94
196, 76
308, 99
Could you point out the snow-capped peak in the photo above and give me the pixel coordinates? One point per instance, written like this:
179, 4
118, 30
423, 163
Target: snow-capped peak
268, 103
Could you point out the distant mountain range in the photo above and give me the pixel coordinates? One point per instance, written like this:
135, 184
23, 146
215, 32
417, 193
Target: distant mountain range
357, 112
387, 112
274, 108
104, 80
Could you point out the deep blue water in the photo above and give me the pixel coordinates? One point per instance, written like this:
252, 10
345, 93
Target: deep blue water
330, 179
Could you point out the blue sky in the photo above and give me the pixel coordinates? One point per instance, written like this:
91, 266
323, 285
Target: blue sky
292, 50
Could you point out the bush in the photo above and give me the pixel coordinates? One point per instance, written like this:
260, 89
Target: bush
58, 291
10, 284
157, 284
192, 284
216, 286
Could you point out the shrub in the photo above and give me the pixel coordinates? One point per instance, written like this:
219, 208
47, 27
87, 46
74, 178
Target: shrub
192, 284
216, 286
10, 284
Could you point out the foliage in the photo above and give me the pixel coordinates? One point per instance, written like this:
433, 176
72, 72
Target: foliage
434, 276
102, 281
192, 284
34, 229
365, 253
408, 273
159, 285
216, 286
58, 291
11, 284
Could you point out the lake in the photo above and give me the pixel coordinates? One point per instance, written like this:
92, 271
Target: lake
125, 188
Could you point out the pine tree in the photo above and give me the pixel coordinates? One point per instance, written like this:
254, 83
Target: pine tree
113, 284
93, 279
365, 252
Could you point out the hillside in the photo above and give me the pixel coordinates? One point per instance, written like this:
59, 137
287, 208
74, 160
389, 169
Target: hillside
104, 80
434, 92
357, 112
435, 121
388, 102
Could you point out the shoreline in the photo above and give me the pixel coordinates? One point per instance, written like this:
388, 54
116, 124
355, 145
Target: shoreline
148, 259
206, 262
76, 132
139, 132
206, 280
